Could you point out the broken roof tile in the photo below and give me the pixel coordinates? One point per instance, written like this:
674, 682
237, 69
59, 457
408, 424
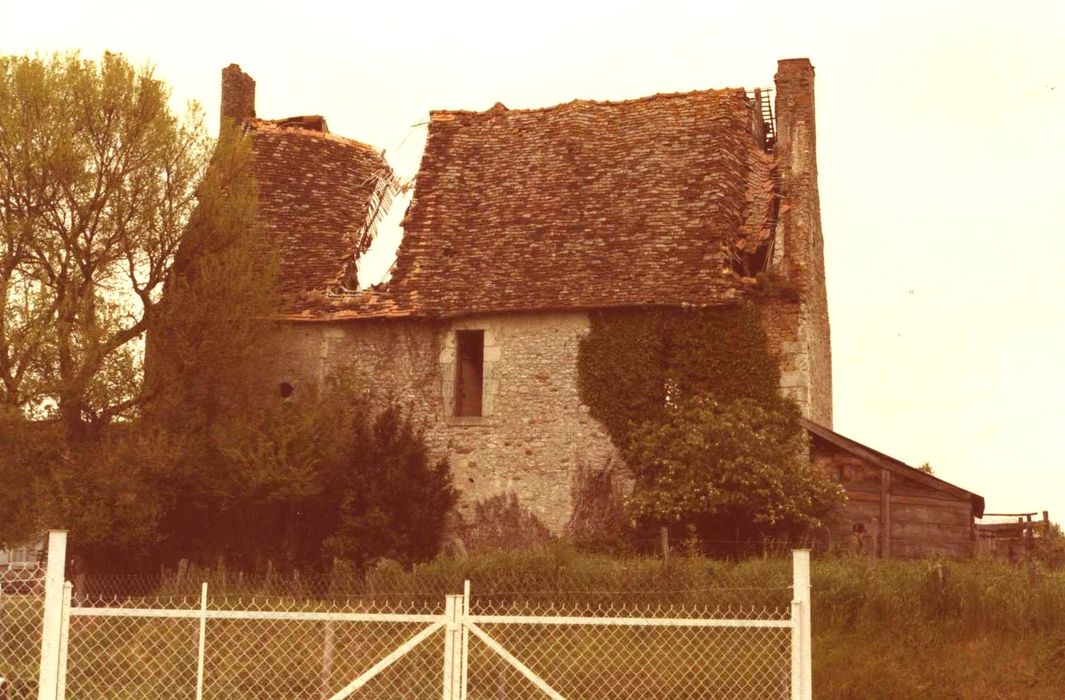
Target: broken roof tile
315, 196
583, 205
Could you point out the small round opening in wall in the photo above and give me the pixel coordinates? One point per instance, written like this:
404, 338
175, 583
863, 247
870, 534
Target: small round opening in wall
286, 389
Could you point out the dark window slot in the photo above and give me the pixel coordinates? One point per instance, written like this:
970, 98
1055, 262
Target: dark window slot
469, 373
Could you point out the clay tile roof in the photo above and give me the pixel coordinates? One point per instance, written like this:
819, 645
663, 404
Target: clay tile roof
316, 194
583, 205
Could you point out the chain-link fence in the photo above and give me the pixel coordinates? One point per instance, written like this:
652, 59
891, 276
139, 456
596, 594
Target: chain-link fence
253, 646
330, 638
21, 609
270, 647
607, 647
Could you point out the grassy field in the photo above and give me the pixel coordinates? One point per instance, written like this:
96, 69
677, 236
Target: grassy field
924, 629
979, 629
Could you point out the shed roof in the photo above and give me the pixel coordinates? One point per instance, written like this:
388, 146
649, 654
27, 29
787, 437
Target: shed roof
884, 461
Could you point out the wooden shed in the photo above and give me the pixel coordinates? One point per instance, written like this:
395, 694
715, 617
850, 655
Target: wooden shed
893, 509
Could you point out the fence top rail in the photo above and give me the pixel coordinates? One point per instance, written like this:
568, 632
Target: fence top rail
624, 621
558, 618
196, 613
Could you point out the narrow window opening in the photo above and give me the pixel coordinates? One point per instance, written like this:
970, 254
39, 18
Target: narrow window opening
469, 373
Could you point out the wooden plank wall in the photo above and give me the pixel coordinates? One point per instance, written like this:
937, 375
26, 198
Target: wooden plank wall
902, 518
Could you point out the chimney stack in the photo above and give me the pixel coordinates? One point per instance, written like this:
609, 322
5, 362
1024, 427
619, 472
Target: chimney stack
238, 95
795, 108
799, 239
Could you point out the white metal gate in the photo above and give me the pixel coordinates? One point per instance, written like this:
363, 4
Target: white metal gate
472, 649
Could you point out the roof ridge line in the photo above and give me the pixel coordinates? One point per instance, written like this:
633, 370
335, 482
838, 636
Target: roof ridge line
269, 126
494, 110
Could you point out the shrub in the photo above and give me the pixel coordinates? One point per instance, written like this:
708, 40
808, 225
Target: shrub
391, 500
502, 522
729, 469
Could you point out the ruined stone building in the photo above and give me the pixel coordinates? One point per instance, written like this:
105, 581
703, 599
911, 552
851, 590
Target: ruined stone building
523, 222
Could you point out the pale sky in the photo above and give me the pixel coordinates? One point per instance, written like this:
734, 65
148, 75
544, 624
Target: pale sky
940, 147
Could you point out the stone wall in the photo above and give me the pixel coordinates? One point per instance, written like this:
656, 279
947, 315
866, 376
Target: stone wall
782, 321
535, 438
799, 250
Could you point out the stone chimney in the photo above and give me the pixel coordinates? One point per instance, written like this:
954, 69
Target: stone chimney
800, 245
796, 153
238, 94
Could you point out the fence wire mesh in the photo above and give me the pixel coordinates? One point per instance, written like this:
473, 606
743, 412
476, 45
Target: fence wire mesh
638, 643
21, 609
303, 659
626, 663
138, 637
132, 657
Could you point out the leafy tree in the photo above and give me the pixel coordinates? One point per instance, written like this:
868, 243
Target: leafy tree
298, 483
257, 486
733, 470
691, 398
27, 451
105, 197
98, 181
392, 501
109, 493
212, 326
168, 451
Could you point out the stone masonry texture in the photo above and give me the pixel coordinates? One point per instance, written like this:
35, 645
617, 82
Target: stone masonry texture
803, 338
536, 438
488, 246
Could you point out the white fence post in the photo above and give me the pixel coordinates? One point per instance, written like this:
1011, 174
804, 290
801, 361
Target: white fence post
203, 642
465, 637
51, 630
453, 648
64, 642
801, 652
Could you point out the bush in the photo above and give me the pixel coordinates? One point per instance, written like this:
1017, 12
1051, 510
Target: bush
733, 470
502, 522
391, 501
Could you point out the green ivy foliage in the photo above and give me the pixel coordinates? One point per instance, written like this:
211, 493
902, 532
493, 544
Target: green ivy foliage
635, 363
691, 398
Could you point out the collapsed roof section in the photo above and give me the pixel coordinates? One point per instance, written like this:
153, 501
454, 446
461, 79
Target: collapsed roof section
666, 200
320, 195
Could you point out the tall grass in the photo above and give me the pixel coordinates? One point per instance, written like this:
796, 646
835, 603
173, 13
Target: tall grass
979, 596
890, 629
938, 629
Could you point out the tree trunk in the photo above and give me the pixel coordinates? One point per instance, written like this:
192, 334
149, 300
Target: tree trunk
70, 414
